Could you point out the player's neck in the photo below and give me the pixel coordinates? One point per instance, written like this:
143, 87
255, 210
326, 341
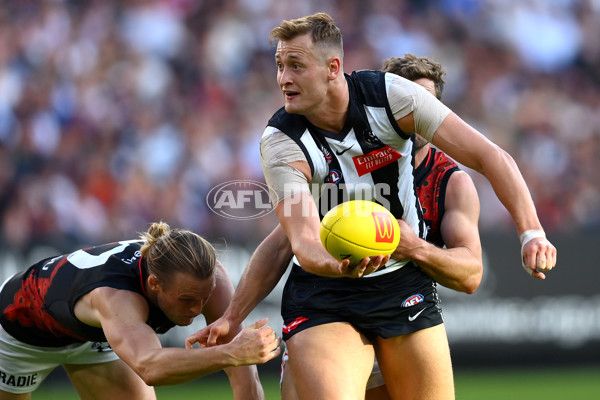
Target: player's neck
421, 154
332, 113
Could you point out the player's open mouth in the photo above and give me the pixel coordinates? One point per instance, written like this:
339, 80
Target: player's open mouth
289, 95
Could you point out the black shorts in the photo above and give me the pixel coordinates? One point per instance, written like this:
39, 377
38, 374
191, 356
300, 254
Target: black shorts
393, 304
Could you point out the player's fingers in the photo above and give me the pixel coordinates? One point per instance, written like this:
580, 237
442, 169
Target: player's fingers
359, 271
213, 336
546, 258
189, 342
195, 337
345, 267
550, 257
540, 261
259, 324
538, 275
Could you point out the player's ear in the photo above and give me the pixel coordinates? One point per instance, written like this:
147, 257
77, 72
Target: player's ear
153, 282
334, 65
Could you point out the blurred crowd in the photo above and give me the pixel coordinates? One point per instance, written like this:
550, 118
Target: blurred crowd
116, 113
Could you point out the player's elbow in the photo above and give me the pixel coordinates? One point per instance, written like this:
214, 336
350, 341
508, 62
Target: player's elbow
470, 287
148, 375
472, 283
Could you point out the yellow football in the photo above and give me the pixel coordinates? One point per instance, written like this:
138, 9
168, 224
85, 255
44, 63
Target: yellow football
357, 229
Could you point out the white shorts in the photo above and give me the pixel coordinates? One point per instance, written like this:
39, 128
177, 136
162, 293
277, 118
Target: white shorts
376, 378
23, 367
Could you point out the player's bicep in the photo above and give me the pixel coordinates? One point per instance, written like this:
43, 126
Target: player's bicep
459, 226
464, 143
285, 166
123, 316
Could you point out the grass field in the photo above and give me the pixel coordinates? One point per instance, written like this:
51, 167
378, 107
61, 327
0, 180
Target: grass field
537, 384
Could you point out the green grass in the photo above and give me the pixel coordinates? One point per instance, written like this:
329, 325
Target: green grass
530, 384
486, 384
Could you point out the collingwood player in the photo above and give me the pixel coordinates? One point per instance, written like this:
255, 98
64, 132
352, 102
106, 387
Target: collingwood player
342, 131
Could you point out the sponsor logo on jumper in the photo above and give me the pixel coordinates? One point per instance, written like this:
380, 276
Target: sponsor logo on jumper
18, 380
384, 230
339, 153
413, 300
375, 160
293, 325
240, 199
133, 259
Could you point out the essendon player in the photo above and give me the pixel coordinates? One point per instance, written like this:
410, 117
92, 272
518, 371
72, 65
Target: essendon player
97, 312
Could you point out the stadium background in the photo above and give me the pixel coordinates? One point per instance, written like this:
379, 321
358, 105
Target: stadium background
114, 114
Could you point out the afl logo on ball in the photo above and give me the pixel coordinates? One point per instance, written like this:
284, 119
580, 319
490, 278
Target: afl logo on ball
240, 199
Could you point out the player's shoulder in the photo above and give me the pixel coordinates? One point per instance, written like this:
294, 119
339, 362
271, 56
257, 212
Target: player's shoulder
292, 125
461, 186
366, 75
368, 86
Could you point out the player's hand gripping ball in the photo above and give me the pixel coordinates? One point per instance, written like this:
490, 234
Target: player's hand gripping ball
357, 229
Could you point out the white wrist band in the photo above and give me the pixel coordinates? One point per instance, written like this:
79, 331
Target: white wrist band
531, 234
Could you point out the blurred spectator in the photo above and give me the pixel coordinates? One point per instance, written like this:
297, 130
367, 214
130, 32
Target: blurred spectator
117, 113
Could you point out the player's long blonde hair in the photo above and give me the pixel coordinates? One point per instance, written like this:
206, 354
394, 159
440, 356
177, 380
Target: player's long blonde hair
168, 251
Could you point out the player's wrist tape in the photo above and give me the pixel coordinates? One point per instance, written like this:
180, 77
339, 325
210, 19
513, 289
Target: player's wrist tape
531, 234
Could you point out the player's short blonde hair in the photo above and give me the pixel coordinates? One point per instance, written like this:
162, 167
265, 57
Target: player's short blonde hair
320, 26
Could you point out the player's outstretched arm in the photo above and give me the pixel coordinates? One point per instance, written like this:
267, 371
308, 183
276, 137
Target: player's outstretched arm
122, 316
474, 150
469, 147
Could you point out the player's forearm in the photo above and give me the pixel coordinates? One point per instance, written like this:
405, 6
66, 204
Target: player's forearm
314, 258
254, 286
265, 269
469, 147
171, 366
299, 219
510, 187
245, 383
457, 268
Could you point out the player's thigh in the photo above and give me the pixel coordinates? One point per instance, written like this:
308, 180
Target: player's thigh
330, 361
286, 381
288, 390
417, 366
11, 396
108, 381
